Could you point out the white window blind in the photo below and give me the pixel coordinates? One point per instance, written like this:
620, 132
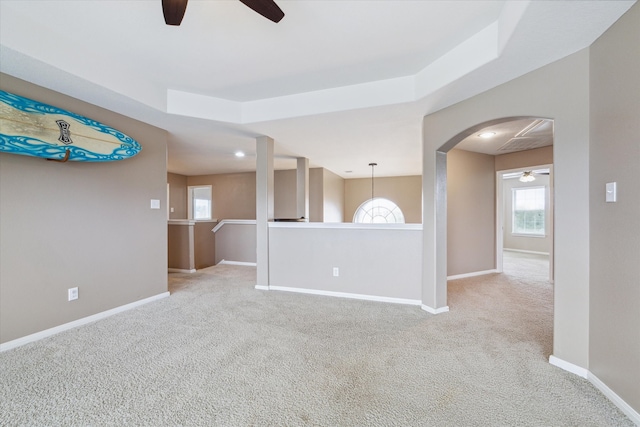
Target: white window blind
529, 211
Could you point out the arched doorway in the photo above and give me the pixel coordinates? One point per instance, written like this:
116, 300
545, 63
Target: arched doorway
559, 92
479, 207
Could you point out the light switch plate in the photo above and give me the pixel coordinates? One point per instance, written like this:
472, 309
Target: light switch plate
155, 204
611, 192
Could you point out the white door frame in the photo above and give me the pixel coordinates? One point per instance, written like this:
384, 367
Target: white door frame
500, 215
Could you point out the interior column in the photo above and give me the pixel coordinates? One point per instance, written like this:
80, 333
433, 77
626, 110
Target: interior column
264, 207
302, 188
434, 232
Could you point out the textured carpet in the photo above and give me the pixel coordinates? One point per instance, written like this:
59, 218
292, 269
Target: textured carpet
220, 353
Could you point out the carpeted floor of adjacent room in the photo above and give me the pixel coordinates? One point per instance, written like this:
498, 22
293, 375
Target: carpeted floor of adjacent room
217, 352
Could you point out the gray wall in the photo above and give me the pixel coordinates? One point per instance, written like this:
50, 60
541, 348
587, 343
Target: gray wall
204, 244
236, 242
471, 208
333, 197
471, 223
326, 195
376, 261
316, 195
559, 91
79, 224
614, 338
285, 194
180, 250
233, 194
404, 191
178, 195
523, 159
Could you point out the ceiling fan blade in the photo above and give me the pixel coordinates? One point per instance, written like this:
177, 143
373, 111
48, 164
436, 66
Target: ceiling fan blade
541, 171
173, 11
267, 8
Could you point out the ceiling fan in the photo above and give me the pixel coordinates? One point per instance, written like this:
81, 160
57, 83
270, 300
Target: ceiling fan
526, 175
173, 10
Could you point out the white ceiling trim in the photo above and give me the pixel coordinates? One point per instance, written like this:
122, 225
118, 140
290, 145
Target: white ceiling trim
203, 107
373, 94
473, 53
478, 50
512, 13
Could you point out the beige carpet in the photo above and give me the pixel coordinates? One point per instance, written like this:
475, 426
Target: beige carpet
220, 353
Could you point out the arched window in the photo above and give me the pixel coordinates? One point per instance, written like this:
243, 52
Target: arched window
378, 211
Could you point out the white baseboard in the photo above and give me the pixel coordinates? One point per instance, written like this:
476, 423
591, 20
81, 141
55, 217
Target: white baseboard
597, 383
85, 320
180, 270
434, 310
250, 264
525, 251
617, 400
570, 367
347, 295
475, 273
262, 287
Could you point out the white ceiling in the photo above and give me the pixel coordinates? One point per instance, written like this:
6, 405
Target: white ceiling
511, 136
343, 83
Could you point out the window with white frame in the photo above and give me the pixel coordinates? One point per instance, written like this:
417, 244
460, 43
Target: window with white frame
378, 211
199, 202
529, 211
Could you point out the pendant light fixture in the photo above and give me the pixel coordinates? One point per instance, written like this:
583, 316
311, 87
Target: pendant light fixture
373, 165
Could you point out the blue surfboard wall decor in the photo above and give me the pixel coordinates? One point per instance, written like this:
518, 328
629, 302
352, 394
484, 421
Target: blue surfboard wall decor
31, 128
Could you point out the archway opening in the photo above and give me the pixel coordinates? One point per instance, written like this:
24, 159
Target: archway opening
471, 212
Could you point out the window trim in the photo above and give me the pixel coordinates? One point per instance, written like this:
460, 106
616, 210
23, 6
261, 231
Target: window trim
514, 233
190, 213
391, 211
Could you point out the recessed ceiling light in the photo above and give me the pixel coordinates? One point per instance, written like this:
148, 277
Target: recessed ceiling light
348, 171
486, 135
239, 154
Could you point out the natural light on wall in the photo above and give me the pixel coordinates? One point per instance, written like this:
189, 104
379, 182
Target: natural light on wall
379, 211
